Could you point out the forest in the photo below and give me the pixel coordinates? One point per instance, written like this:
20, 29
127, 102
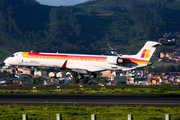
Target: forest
26, 25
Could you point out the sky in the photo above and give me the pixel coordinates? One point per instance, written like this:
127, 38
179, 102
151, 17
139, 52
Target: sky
60, 2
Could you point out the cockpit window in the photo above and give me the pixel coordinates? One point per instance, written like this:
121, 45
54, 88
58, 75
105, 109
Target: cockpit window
12, 56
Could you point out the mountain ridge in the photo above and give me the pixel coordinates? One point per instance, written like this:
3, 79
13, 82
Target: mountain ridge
26, 25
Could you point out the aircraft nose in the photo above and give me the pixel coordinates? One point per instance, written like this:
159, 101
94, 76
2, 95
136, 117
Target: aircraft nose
6, 61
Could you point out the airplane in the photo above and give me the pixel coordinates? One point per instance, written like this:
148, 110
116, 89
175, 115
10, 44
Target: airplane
82, 63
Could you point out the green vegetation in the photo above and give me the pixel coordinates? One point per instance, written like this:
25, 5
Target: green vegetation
162, 67
26, 25
99, 91
3, 54
48, 112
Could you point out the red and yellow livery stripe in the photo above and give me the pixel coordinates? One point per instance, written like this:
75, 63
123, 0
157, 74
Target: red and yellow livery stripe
36, 55
133, 60
145, 53
64, 57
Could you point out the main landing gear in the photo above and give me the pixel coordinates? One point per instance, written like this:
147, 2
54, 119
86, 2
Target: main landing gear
81, 76
93, 75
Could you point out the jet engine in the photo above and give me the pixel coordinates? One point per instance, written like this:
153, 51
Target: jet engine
114, 60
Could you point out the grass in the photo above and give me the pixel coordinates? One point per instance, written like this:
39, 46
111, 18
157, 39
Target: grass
48, 112
98, 91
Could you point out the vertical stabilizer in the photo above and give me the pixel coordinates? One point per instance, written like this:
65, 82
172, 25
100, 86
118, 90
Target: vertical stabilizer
147, 51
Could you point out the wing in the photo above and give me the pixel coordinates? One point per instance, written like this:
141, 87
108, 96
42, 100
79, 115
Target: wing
84, 69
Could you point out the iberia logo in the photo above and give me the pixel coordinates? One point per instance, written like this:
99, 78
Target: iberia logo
145, 53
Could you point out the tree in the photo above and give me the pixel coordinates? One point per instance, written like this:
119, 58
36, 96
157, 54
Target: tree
171, 68
74, 74
107, 37
85, 80
178, 68
63, 23
147, 16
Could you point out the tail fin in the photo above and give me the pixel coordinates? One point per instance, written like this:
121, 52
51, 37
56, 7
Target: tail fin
147, 51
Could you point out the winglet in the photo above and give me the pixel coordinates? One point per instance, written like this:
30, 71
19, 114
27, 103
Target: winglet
64, 65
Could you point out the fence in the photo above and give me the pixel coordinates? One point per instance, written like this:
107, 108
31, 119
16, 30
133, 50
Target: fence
81, 87
93, 117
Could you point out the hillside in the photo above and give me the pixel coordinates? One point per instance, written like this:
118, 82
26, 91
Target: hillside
129, 23
126, 25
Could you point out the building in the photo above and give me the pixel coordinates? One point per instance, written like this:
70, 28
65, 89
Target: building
23, 70
52, 74
162, 40
167, 34
107, 73
40, 73
3, 82
61, 74
162, 55
49, 83
68, 74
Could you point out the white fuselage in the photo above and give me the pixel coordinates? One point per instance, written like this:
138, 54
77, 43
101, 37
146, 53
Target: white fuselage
91, 63
85, 63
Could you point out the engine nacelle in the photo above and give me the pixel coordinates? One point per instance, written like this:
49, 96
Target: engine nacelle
114, 60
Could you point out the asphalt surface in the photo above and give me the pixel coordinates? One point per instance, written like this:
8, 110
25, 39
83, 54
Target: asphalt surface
77, 87
167, 100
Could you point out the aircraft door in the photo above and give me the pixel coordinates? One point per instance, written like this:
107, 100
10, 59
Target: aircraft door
19, 58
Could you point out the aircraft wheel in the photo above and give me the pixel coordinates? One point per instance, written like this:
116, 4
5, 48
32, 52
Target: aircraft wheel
80, 76
93, 75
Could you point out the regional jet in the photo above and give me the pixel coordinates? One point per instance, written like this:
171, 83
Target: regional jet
84, 64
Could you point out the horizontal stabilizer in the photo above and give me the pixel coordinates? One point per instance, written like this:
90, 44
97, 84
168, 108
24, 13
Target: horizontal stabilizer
169, 43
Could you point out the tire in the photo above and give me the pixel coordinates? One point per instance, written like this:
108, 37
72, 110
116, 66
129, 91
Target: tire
93, 75
80, 76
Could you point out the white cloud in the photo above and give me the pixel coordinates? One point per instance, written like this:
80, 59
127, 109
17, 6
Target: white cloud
60, 2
